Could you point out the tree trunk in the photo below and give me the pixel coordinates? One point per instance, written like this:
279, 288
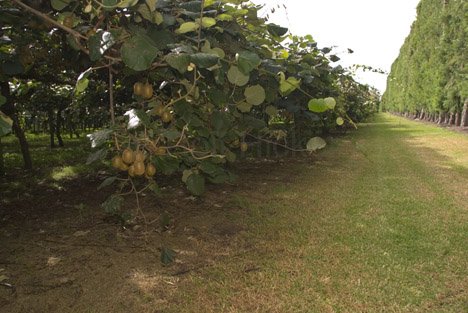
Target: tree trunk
441, 117
58, 128
50, 113
457, 119
421, 117
9, 109
451, 119
22, 141
446, 119
464, 117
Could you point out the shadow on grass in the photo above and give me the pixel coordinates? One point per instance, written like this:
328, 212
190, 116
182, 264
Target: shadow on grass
51, 167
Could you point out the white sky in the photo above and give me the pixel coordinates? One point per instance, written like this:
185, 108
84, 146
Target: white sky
374, 29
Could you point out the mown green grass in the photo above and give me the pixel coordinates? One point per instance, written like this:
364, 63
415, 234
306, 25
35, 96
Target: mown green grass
378, 224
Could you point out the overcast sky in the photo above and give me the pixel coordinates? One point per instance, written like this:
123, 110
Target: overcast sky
374, 29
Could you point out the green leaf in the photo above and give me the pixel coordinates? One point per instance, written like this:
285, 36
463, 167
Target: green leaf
171, 134
204, 60
178, 61
127, 3
214, 170
82, 81
165, 221
107, 182
317, 105
244, 107
207, 22
192, 6
139, 52
151, 4
316, 143
224, 17
276, 30
167, 255
3, 99
166, 164
152, 16
271, 110
255, 95
208, 3
59, 5
81, 85
185, 175
330, 102
219, 52
289, 85
196, 184
187, 27
5, 124
96, 156
221, 123
334, 58
339, 121
247, 61
161, 38
236, 77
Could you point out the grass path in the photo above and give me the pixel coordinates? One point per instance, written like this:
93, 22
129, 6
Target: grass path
378, 224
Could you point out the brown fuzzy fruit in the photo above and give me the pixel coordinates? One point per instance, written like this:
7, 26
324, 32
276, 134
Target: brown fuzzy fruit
138, 88
140, 156
128, 156
159, 110
166, 117
244, 146
147, 92
123, 167
131, 171
117, 162
139, 168
150, 170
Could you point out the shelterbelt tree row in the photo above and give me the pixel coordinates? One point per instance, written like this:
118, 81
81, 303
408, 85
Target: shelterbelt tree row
429, 79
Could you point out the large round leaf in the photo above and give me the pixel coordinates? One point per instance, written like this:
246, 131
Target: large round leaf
5, 124
244, 107
271, 110
254, 95
236, 77
178, 61
139, 52
187, 27
247, 61
196, 184
330, 102
318, 105
204, 60
316, 143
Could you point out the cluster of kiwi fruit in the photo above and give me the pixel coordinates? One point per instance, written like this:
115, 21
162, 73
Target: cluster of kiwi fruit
163, 112
144, 90
134, 163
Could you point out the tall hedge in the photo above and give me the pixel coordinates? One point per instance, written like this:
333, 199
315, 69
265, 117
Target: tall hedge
428, 80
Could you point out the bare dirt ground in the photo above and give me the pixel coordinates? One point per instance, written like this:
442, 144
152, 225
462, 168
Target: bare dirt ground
60, 252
